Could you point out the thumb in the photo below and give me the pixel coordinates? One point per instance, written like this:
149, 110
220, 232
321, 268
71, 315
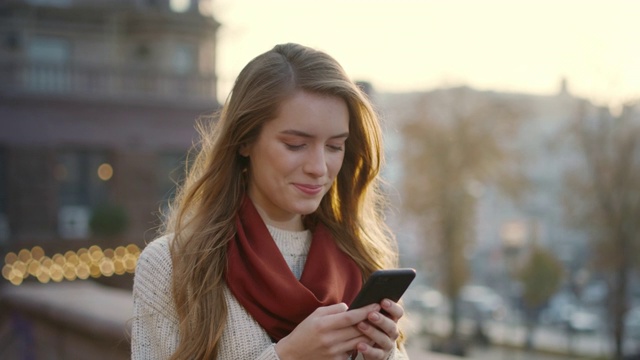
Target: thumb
332, 309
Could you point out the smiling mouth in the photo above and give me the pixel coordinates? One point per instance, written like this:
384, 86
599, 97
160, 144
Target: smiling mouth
309, 189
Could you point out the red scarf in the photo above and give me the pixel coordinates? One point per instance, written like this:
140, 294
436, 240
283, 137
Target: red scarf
262, 282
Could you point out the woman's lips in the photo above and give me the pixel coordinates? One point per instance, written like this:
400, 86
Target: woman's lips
309, 189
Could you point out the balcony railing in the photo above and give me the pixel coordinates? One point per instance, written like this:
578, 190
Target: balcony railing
67, 320
124, 84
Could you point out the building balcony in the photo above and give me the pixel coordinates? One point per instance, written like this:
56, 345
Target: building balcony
125, 84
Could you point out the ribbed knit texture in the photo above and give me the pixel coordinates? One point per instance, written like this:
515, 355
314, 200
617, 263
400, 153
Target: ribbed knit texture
155, 322
294, 246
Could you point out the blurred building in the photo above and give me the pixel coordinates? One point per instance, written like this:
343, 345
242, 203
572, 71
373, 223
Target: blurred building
98, 100
503, 228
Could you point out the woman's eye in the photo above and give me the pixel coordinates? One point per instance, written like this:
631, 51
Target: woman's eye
294, 147
335, 147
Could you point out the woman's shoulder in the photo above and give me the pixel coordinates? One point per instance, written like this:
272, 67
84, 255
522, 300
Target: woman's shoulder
158, 247
153, 276
154, 263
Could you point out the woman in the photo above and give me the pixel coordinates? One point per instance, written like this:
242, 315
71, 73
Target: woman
275, 228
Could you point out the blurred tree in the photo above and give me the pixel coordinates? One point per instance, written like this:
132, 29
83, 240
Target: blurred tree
108, 220
540, 276
455, 143
603, 196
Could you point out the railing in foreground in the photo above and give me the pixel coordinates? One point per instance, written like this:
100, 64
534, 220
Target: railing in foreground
75, 320
124, 83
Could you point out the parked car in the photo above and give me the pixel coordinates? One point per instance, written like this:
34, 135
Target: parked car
424, 299
481, 303
584, 320
559, 310
632, 322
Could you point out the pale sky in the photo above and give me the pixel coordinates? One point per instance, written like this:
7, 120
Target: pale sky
407, 45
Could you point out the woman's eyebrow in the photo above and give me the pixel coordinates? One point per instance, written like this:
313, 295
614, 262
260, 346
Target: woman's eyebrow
307, 135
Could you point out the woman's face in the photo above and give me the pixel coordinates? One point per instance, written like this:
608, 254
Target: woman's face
296, 158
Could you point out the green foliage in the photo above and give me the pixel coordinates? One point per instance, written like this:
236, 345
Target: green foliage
108, 220
541, 277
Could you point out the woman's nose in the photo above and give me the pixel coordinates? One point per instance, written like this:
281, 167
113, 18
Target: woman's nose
315, 163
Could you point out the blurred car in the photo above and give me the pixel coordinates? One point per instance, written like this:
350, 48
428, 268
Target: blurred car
481, 303
632, 322
566, 311
584, 320
559, 310
424, 299
423, 302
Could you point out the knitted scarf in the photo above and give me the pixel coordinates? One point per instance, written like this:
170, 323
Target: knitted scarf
262, 282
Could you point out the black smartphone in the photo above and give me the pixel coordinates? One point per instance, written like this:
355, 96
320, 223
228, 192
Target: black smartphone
384, 284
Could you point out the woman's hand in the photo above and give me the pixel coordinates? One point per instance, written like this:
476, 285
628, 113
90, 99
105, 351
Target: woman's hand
330, 332
382, 331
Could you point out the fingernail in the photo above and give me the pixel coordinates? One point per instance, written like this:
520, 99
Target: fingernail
386, 303
374, 317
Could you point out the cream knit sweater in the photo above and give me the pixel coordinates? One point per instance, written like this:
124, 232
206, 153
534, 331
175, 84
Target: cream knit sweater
155, 322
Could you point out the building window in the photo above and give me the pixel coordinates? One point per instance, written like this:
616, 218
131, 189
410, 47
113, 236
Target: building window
4, 221
171, 171
48, 50
79, 176
83, 177
50, 2
48, 59
184, 58
3, 181
180, 6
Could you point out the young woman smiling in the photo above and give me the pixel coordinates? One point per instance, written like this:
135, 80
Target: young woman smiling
277, 224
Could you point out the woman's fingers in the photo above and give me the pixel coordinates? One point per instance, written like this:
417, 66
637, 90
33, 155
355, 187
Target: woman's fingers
351, 317
329, 332
382, 331
372, 353
394, 309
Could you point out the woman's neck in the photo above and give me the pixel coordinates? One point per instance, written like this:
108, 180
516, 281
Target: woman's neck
293, 223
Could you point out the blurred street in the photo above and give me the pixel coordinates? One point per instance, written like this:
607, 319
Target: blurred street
417, 351
507, 340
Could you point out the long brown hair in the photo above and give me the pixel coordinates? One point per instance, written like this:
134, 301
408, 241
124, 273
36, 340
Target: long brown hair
201, 217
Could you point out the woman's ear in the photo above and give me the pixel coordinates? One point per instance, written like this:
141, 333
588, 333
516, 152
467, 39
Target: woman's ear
244, 150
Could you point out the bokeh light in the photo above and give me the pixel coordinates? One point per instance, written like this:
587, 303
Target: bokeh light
72, 265
105, 172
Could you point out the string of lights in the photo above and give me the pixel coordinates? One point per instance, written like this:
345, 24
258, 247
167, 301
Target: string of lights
72, 265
